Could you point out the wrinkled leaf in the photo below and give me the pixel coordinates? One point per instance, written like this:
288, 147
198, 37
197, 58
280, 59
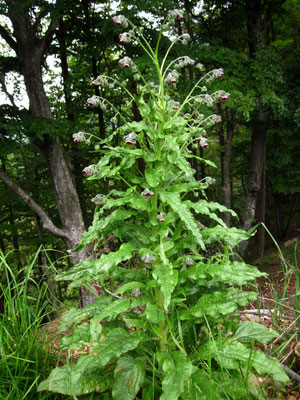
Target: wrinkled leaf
129, 375
178, 370
217, 303
248, 331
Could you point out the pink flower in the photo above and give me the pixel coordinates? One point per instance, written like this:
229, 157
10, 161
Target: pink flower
95, 83
120, 20
225, 97
219, 121
90, 170
126, 62
131, 138
125, 38
203, 142
147, 193
189, 261
148, 259
161, 217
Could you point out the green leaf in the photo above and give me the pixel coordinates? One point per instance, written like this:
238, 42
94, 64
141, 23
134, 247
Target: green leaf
129, 376
129, 286
116, 342
199, 387
96, 267
87, 376
248, 331
178, 370
235, 272
217, 304
83, 334
174, 201
231, 236
164, 274
233, 354
115, 308
76, 315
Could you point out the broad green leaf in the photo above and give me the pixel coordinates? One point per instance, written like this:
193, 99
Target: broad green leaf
76, 315
82, 335
138, 126
174, 201
231, 236
87, 376
217, 304
248, 331
234, 272
233, 355
178, 370
96, 267
129, 375
129, 286
202, 207
115, 308
114, 343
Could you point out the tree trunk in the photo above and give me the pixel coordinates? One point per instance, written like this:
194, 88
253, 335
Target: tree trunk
31, 48
226, 142
256, 171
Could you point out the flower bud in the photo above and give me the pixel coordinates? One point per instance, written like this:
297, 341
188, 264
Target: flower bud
125, 38
148, 259
126, 62
120, 20
90, 170
161, 217
189, 261
203, 142
131, 138
147, 193
81, 137
175, 15
98, 199
209, 180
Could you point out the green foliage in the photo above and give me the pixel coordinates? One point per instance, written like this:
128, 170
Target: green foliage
161, 286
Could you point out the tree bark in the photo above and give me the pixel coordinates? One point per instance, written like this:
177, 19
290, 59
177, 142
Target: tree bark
226, 142
31, 49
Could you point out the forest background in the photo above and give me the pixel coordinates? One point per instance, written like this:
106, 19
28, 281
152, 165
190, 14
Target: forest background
45, 198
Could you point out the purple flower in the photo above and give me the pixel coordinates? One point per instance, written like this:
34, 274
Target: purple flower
225, 97
147, 193
203, 142
131, 138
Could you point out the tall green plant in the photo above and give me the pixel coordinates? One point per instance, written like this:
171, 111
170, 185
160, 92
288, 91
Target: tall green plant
154, 334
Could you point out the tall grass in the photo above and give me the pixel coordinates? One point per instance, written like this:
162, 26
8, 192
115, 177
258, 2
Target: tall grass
24, 358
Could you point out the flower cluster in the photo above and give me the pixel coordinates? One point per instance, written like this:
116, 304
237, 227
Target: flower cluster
147, 193
120, 20
171, 77
208, 180
148, 259
214, 74
184, 62
189, 261
221, 95
131, 138
125, 37
184, 38
126, 62
94, 101
90, 170
161, 217
203, 142
104, 81
175, 15
98, 199
173, 104
81, 137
